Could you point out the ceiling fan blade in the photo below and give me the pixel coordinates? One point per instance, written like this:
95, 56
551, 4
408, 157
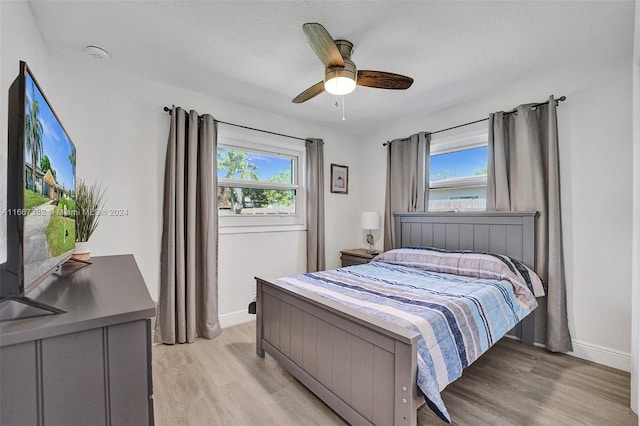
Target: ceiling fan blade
383, 80
311, 92
324, 46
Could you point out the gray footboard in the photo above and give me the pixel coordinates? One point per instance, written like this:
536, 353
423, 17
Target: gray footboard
362, 367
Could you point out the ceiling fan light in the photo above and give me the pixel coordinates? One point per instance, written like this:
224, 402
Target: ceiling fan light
340, 80
340, 85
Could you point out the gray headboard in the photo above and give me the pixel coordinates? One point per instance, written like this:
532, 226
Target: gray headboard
510, 233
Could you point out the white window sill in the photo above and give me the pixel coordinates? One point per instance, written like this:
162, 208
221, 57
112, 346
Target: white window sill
223, 230
463, 182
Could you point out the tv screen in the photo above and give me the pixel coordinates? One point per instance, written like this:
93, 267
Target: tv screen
41, 186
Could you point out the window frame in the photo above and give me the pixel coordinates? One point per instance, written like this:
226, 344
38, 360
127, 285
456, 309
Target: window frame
272, 146
459, 141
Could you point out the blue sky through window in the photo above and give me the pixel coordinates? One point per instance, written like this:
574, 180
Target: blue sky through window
458, 164
267, 166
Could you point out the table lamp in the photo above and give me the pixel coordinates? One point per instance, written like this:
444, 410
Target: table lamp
370, 221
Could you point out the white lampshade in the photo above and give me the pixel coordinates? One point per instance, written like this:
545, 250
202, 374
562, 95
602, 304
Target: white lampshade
370, 220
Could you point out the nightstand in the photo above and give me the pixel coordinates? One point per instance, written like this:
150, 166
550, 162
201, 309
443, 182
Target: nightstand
356, 257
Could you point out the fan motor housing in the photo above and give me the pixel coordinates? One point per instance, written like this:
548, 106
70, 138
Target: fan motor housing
345, 47
349, 70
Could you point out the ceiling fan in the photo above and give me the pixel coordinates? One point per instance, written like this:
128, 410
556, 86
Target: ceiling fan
341, 75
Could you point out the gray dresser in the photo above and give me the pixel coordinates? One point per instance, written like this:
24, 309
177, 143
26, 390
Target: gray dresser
89, 366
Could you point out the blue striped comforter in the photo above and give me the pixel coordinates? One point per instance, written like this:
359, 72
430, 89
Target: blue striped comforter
458, 317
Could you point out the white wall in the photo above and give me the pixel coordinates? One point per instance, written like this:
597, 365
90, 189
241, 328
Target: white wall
635, 322
19, 40
596, 173
120, 131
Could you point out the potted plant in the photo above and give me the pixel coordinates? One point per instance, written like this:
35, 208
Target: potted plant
89, 203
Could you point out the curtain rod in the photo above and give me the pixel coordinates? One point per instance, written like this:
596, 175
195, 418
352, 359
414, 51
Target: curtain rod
167, 109
560, 99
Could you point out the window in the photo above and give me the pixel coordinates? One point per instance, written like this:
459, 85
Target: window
458, 172
258, 183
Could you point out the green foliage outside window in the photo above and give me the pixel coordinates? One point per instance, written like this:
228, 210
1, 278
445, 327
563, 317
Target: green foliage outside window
237, 165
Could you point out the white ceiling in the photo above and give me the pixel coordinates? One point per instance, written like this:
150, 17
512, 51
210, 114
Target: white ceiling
255, 53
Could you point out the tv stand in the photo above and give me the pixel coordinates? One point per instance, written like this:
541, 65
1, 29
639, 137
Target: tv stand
8, 313
91, 365
74, 259
29, 313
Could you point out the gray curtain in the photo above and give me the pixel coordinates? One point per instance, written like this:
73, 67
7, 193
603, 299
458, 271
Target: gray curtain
524, 175
315, 205
188, 263
407, 180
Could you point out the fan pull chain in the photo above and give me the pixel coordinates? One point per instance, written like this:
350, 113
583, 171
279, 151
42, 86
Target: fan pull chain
343, 119
337, 104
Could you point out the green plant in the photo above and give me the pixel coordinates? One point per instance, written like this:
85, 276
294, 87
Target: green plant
89, 203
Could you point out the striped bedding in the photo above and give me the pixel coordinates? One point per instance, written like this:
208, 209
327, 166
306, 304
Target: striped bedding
458, 316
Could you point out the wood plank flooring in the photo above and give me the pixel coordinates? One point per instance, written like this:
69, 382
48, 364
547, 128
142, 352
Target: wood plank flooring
223, 382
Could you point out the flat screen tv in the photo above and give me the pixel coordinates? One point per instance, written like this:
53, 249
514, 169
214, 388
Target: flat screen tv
41, 187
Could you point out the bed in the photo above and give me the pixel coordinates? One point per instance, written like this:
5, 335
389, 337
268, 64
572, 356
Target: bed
361, 365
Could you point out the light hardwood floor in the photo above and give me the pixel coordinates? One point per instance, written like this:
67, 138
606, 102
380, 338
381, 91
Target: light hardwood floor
223, 382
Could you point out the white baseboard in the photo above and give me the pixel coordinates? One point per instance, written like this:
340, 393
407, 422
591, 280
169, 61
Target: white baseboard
596, 353
235, 318
601, 355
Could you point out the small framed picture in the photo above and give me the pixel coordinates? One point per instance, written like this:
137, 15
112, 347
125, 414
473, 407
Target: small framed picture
339, 179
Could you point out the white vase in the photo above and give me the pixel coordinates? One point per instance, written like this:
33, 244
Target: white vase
82, 251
